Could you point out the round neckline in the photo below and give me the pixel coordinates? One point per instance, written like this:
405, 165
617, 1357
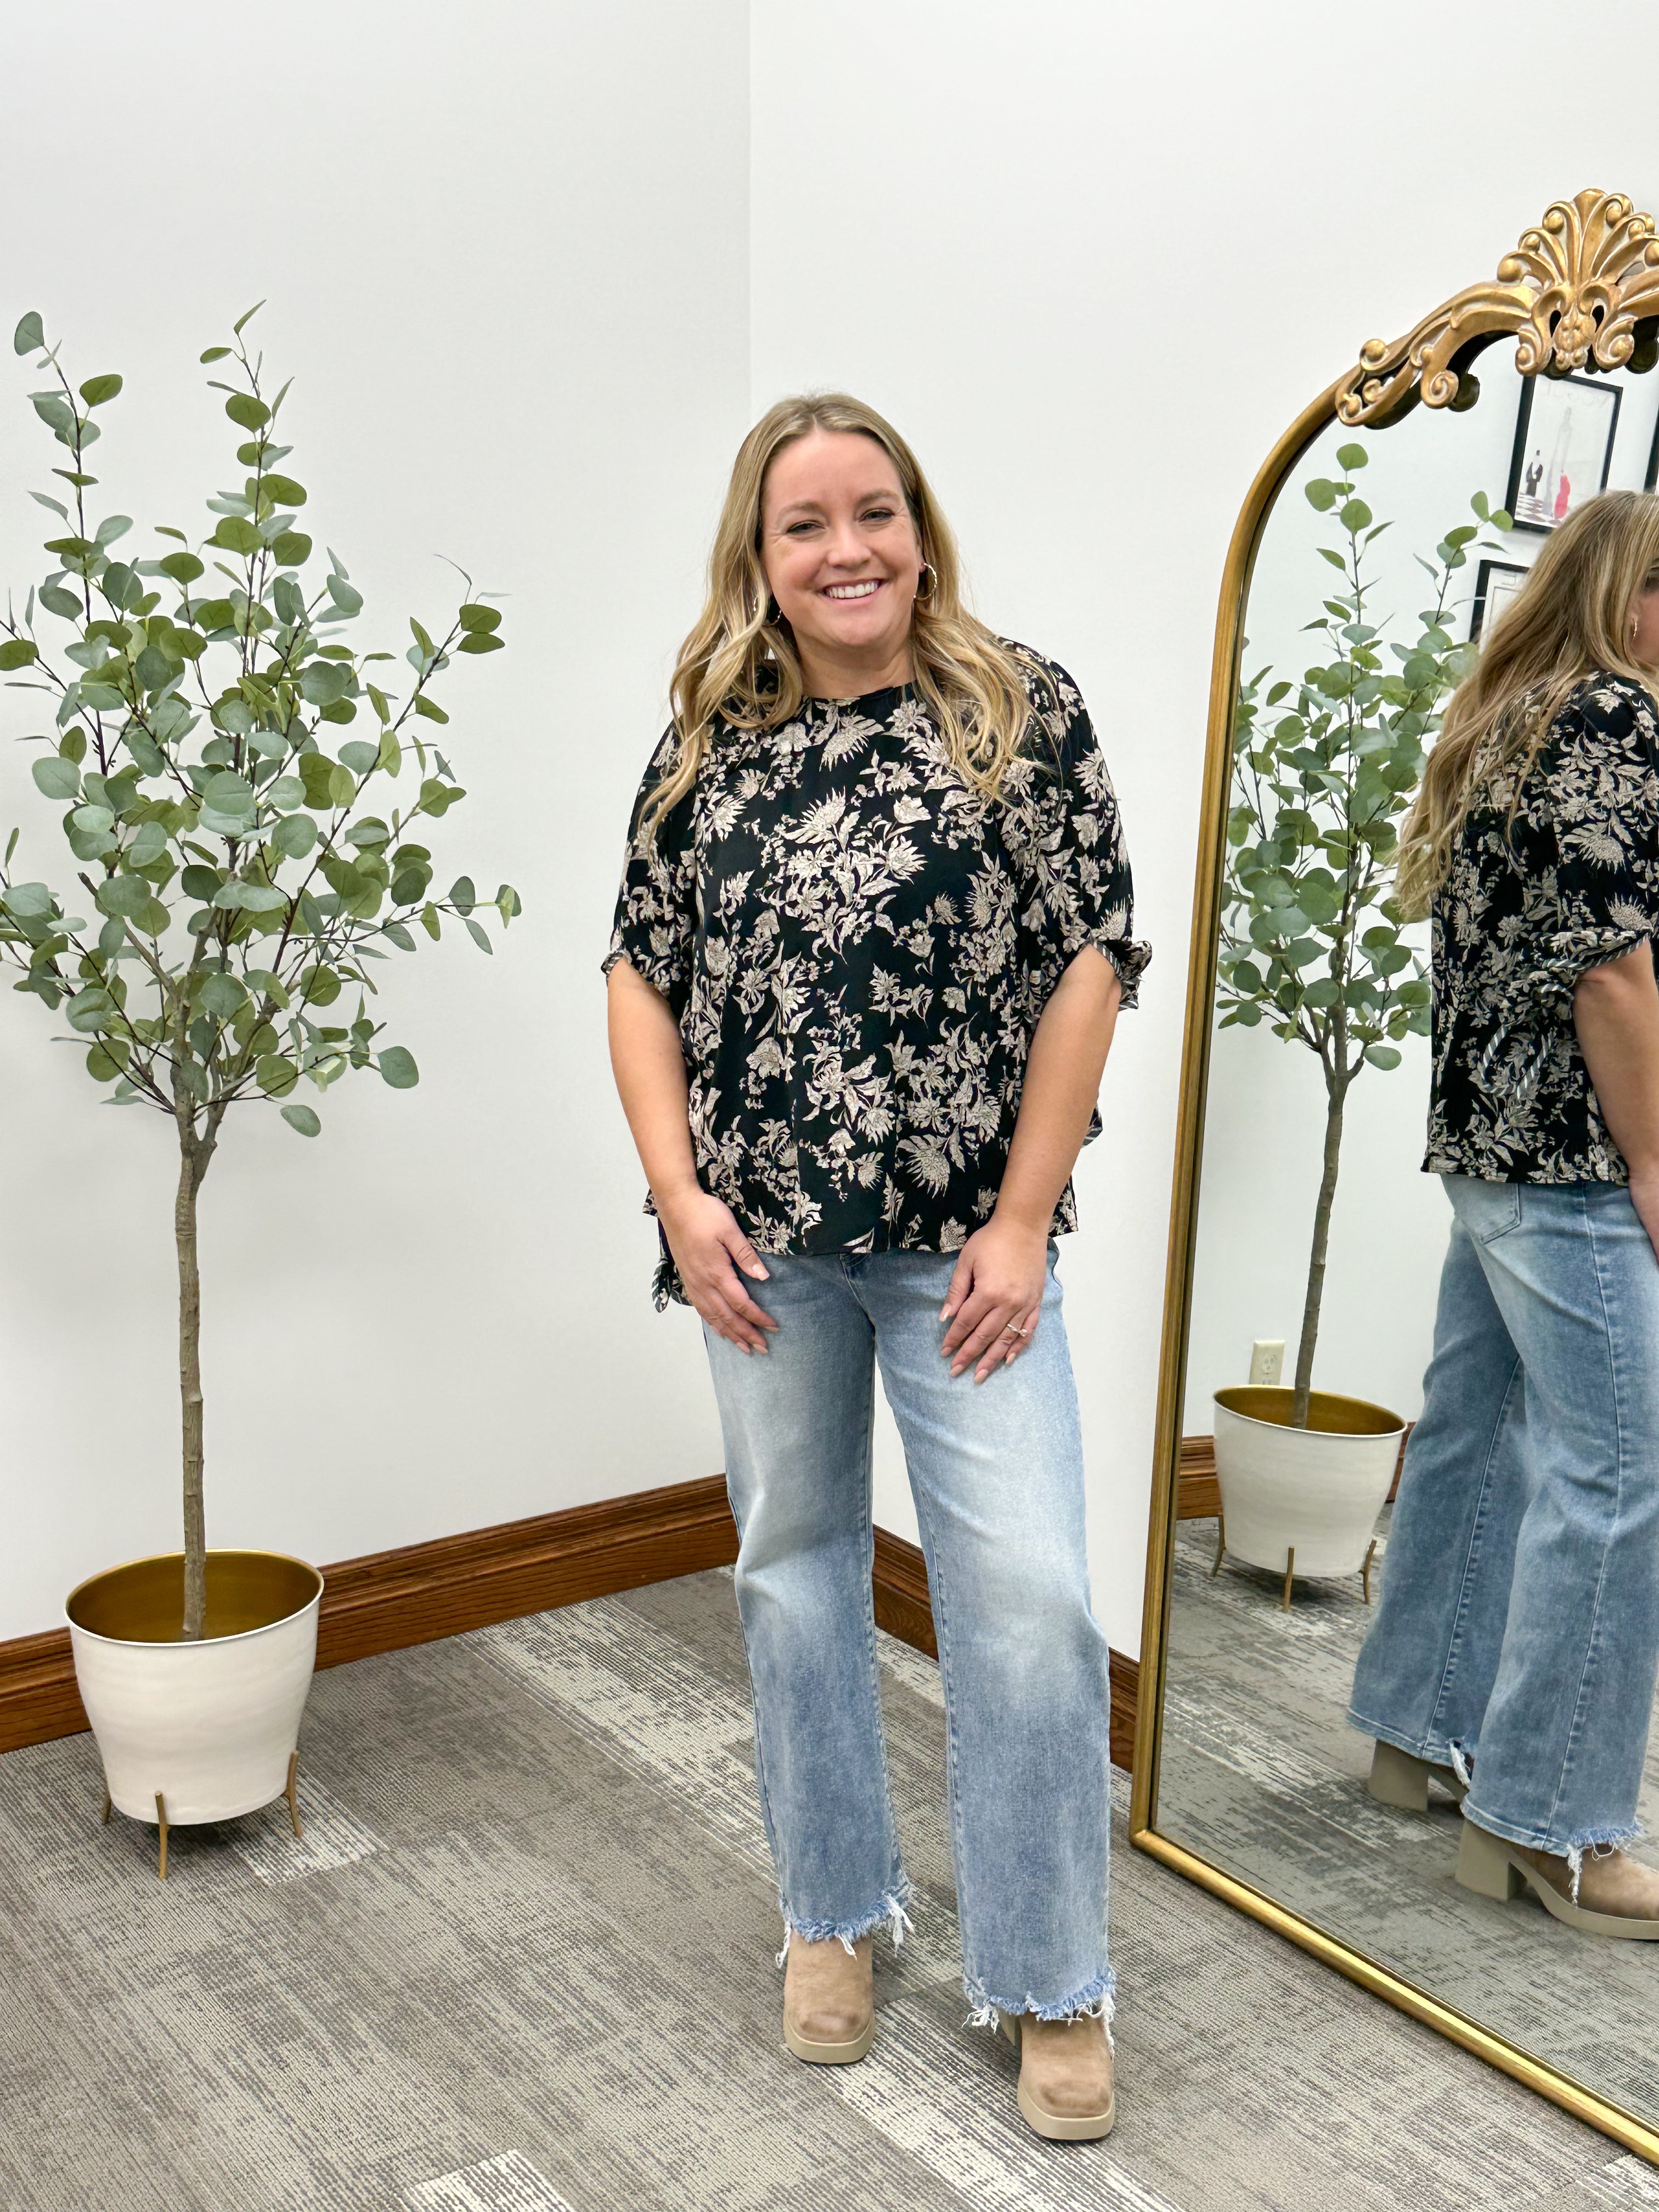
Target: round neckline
862, 698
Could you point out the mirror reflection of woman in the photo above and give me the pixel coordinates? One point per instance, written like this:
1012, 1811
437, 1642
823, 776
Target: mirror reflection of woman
873, 933
1515, 1646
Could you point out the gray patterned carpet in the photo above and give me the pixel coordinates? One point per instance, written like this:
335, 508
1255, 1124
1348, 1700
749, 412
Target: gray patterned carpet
1262, 1775
522, 1963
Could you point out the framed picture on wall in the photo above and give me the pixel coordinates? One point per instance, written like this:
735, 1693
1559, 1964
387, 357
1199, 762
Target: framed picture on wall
1496, 584
1562, 447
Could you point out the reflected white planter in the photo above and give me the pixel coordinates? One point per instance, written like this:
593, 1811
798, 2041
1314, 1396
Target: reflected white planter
1314, 1492
208, 1727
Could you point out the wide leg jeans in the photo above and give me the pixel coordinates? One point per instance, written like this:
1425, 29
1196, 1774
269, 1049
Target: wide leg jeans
1518, 1630
996, 1472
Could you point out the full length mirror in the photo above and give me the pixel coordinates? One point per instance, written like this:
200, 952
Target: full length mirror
1302, 1305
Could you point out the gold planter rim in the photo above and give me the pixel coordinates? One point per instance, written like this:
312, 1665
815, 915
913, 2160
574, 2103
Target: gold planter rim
1331, 1413
242, 1586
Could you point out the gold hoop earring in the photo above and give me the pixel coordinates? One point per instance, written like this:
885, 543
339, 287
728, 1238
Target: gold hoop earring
927, 570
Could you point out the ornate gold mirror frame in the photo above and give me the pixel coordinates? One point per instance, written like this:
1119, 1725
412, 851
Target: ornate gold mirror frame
1581, 290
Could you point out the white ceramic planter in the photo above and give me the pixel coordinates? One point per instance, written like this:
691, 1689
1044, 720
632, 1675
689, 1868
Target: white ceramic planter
210, 1726
1316, 1492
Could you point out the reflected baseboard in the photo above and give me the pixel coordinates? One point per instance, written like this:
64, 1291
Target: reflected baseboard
1198, 1494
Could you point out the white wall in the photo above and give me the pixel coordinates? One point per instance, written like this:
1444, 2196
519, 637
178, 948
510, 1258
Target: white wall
536, 268
1092, 260
506, 253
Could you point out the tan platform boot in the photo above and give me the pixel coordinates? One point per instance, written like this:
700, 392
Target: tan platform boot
1065, 2087
1617, 1895
829, 2003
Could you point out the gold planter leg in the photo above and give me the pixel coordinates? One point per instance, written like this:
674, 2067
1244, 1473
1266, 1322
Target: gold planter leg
162, 1815
292, 1792
1290, 1568
1365, 1571
1220, 1544
104, 1815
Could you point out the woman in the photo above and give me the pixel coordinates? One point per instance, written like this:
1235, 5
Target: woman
1515, 1648
872, 936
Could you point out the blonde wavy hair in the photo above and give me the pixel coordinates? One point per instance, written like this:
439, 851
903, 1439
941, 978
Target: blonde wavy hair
737, 664
1570, 618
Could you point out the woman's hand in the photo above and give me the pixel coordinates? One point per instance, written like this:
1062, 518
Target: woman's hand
999, 1276
708, 1250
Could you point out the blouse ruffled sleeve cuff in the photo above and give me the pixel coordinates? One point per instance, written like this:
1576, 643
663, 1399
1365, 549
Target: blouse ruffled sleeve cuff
1568, 954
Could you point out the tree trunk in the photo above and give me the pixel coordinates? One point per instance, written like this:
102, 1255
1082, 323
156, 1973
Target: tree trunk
1337, 1094
192, 1167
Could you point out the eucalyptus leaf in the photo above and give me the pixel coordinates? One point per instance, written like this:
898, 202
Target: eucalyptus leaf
295, 836
302, 1118
57, 777
91, 1010
221, 996
236, 535
398, 1068
276, 1076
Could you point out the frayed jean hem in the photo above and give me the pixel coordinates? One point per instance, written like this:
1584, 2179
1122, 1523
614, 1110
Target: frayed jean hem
1596, 1842
1432, 1750
887, 1912
1096, 2000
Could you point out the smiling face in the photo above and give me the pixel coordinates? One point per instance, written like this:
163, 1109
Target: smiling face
843, 561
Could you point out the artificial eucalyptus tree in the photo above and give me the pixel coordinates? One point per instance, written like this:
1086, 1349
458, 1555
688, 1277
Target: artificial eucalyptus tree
234, 884
1311, 937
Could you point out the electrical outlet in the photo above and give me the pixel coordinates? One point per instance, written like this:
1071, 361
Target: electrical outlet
1267, 1359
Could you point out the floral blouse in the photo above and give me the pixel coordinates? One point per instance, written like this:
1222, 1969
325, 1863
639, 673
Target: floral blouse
857, 949
1529, 904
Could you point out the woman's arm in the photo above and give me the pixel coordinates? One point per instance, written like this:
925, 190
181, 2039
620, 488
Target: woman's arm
1000, 1275
1615, 1010
702, 1233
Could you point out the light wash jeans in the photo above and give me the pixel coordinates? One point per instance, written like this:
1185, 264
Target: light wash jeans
996, 1471
1518, 1630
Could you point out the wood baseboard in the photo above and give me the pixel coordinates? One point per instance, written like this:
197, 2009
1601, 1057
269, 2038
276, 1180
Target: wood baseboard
388, 1600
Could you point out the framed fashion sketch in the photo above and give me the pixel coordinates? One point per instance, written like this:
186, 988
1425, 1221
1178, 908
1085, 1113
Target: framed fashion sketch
1496, 583
1318, 1249
1562, 447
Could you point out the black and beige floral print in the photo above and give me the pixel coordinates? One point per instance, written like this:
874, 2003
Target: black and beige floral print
1534, 896
857, 950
